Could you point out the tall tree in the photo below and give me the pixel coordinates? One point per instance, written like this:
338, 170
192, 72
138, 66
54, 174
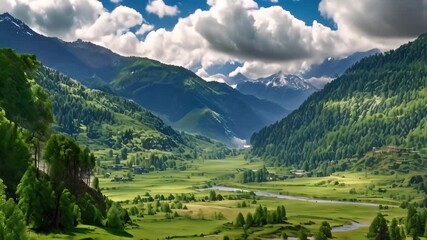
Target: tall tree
36, 200
113, 217
394, 230
14, 154
12, 222
240, 220
378, 229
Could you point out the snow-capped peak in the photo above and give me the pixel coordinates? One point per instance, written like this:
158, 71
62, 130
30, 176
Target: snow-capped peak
281, 79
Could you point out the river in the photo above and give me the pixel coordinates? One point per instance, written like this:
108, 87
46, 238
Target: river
274, 195
343, 228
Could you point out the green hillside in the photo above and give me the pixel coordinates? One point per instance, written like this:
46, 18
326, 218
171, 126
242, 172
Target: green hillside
170, 92
101, 120
380, 101
174, 93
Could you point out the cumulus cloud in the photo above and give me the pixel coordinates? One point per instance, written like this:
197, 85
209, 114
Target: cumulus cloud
115, 1
263, 40
144, 29
117, 22
387, 23
160, 8
54, 18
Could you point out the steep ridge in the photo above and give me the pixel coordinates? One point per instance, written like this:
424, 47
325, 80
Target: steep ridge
171, 92
382, 100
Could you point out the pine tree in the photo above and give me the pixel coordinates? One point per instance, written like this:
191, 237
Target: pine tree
283, 210
378, 229
240, 220
394, 230
249, 220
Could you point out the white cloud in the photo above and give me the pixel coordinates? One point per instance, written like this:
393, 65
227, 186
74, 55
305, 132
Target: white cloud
319, 83
384, 24
263, 40
274, 1
211, 78
117, 22
160, 8
55, 18
144, 29
115, 1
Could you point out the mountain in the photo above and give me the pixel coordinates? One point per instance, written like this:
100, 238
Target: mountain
332, 68
173, 93
101, 120
379, 101
192, 104
289, 91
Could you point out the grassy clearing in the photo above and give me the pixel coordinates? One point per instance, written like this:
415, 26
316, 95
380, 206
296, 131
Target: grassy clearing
198, 221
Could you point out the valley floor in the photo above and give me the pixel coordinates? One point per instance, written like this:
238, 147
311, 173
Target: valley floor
209, 219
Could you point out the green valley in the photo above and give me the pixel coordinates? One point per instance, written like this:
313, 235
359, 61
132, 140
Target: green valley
96, 145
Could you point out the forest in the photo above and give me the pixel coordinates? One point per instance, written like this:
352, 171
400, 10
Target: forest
52, 192
380, 101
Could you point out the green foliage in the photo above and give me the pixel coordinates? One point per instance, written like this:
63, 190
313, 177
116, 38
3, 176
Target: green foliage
249, 220
113, 217
324, 231
67, 208
380, 101
240, 220
248, 175
63, 156
378, 229
90, 212
12, 221
14, 154
394, 230
284, 236
103, 119
36, 200
95, 183
302, 235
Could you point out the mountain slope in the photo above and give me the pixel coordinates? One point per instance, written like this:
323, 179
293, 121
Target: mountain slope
382, 100
174, 92
333, 68
101, 120
169, 91
289, 91
95, 117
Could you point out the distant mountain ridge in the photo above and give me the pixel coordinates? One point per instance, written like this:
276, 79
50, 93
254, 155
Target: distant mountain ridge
333, 68
171, 92
289, 91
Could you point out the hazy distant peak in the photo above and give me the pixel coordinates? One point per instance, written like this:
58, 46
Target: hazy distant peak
290, 81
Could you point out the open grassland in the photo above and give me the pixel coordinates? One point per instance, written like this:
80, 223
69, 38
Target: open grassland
199, 219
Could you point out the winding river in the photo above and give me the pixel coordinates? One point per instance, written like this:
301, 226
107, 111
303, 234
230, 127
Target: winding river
343, 228
274, 195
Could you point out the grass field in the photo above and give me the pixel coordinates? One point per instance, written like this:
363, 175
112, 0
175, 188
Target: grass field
199, 220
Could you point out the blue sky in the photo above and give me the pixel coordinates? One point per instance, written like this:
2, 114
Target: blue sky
305, 10
256, 38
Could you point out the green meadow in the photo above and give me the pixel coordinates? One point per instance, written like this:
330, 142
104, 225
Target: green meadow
199, 219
